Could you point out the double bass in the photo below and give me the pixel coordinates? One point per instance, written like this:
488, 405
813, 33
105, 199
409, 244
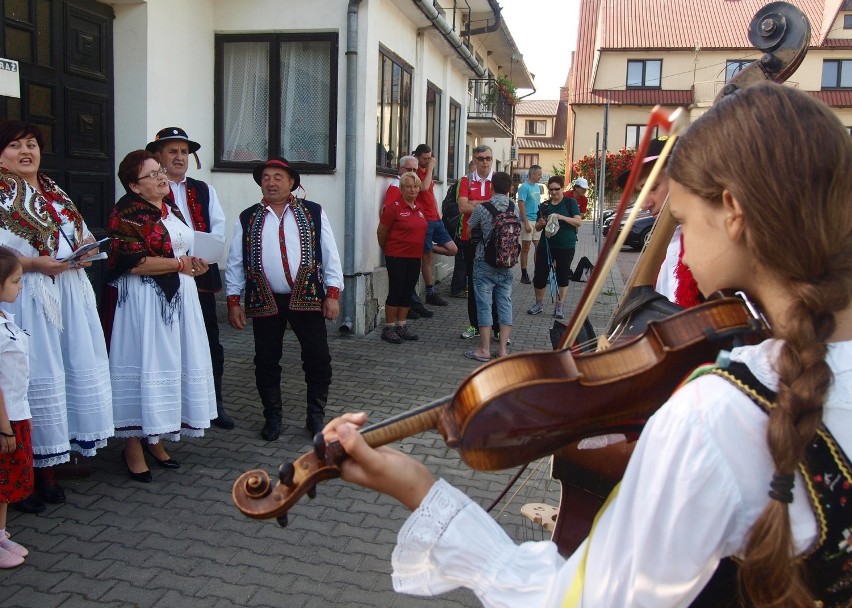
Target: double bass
530, 405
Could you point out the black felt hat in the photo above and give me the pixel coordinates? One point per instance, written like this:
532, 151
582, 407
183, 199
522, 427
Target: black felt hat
655, 148
172, 133
277, 162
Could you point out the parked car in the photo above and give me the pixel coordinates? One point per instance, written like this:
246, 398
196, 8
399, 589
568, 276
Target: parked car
639, 234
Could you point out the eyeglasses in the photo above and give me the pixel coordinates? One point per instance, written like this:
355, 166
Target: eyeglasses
153, 174
555, 189
409, 169
483, 158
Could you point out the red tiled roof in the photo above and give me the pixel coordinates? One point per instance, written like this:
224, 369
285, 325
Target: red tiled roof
834, 98
673, 25
537, 107
541, 143
835, 43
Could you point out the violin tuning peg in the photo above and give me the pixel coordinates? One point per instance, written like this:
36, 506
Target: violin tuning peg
282, 520
319, 446
286, 472
312, 493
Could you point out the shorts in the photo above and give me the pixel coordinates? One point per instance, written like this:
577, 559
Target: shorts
535, 235
436, 233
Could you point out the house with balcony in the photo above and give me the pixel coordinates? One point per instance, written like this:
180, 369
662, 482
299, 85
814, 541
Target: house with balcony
341, 88
540, 130
634, 54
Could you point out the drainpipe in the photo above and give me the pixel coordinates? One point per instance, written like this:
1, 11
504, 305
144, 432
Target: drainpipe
442, 26
350, 177
498, 18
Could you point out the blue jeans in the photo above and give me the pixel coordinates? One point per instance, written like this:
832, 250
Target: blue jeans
493, 282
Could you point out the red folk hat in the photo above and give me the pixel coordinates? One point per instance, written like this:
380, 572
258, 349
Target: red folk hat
276, 162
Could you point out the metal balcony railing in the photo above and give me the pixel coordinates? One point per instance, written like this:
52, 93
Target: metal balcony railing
485, 99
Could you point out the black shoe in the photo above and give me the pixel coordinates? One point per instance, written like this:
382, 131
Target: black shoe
47, 486
412, 315
420, 310
31, 504
271, 430
525, 278
223, 421
458, 294
435, 299
314, 423
143, 477
171, 463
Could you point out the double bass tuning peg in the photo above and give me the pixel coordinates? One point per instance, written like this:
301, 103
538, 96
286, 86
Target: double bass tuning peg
286, 473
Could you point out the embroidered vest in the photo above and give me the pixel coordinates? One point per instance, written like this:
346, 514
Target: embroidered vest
826, 471
198, 203
308, 289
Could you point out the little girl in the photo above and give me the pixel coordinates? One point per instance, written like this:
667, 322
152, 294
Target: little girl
16, 451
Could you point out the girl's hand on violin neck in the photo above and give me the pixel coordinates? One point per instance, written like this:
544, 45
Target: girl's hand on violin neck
383, 469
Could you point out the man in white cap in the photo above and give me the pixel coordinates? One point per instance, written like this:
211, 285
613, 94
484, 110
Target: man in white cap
200, 206
581, 184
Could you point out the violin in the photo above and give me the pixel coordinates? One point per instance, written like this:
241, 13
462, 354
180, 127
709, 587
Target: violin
528, 405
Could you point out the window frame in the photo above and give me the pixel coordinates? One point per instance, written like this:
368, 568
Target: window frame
535, 121
640, 131
740, 65
531, 156
453, 147
847, 22
274, 40
644, 63
839, 63
404, 119
433, 139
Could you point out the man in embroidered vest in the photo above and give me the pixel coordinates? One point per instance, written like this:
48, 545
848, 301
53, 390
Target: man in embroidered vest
284, 258
200, 207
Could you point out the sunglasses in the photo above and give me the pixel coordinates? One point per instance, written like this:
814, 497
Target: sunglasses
555, 189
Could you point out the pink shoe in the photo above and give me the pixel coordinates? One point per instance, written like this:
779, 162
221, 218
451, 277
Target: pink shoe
13, 547
9, 559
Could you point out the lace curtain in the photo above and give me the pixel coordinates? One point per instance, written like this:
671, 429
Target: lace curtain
246, 103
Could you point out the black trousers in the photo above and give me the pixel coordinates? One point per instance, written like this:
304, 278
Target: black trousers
211, 324
309, 328
469, 251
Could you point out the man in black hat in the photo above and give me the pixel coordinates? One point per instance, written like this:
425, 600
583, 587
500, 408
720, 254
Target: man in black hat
200, 206
284, 257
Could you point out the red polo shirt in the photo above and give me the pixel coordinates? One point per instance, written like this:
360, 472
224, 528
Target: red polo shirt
407, 230
478, 190
426, 199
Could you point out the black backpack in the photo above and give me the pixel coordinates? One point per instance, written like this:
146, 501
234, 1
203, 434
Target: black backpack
450, 211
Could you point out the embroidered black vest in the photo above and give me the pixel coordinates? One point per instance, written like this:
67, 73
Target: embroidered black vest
826, 471
308, 290
198, 203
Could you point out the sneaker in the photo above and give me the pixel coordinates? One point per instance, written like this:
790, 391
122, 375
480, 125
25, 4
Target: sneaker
495, 337
389, 334
525, 278
536, 309
9, 559
412, 315
13, 547
435, 299
421, 310
557, 312
458, 294
405, 333
470, 332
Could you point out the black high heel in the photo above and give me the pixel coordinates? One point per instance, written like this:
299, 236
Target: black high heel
171, 463
143, 477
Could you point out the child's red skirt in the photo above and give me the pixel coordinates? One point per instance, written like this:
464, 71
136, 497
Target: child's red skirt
16, 469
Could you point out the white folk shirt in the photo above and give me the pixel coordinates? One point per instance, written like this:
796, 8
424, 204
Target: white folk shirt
14, 368
217, 215
667, 277
694, 486
273, 265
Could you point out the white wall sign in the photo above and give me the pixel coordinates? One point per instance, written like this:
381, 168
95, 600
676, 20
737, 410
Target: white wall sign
10, 78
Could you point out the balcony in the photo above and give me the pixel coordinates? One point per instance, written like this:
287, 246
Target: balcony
489, 108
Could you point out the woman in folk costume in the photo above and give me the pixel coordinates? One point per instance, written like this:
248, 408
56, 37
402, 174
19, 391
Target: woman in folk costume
69, 390
674, 280
739, 491
162, 377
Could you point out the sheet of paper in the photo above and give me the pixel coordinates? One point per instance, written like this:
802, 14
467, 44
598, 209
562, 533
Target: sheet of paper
83, 250
209, 247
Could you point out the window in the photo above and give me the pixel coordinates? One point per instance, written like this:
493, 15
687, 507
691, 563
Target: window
847, 22
433, 123
849, 129
634, 135
733, 67
837, 74
393, 116
276, 95
454, 170
525, 161
644, 74
535, 127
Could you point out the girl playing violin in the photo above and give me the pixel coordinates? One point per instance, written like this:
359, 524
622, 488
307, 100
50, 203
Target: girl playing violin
739, 491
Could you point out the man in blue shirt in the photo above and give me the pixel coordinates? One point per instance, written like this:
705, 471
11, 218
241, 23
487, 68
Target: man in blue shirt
529, 198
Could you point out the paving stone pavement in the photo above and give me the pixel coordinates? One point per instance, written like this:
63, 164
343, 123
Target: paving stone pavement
180, 542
